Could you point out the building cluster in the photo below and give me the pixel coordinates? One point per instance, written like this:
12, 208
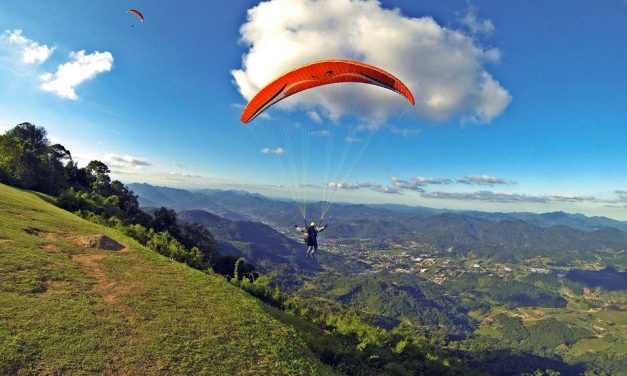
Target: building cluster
437, 266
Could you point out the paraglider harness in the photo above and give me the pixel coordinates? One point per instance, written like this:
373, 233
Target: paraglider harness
310, 231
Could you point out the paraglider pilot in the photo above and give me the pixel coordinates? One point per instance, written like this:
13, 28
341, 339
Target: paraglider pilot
311, 237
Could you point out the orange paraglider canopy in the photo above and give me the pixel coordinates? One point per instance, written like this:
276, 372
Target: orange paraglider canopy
137, 13
320, 73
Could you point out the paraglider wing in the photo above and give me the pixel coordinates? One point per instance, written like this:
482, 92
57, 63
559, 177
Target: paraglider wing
137, 13
320, 73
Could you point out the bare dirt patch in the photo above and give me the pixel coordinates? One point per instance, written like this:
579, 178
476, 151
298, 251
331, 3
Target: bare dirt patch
90, 262
50, 248
3, 240
90, 265
107, 287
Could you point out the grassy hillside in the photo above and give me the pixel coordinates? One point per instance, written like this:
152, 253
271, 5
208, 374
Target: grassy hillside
66, 308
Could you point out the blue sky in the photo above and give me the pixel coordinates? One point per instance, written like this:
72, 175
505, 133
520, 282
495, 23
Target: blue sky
162, 105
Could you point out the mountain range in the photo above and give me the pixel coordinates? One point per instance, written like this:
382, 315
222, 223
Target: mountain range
500, 235
229, 203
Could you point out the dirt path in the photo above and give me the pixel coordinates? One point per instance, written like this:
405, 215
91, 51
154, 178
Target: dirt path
90, 264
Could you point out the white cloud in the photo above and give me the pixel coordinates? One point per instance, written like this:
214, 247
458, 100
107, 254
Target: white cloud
82, 68
474, 24
32, 52
315, 116
125, 161
416, 183
353, 140
498, 197
277, 151
377, 187
484, 180
444, 68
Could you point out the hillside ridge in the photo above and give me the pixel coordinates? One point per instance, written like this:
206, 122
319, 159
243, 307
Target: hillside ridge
67, 308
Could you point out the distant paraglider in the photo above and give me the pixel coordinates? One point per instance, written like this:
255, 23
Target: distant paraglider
323, 72
138, 14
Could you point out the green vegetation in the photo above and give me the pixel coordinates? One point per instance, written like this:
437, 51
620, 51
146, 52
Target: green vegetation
512, 293
28, 160
395, 297
511, 328
65, 308
549, 333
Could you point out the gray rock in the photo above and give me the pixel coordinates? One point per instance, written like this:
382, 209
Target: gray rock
103, 242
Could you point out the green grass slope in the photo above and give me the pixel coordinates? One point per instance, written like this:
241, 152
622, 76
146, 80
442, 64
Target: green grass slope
69, 309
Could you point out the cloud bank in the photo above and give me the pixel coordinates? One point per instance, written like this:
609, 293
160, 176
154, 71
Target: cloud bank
81, 68
418, 183
444, 68
496, 197
377, 187
484, 180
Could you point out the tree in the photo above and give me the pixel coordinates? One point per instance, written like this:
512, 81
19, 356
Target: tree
77, 177
59, 152
36, 137
195, 235
129, 204
98, 174
29, 161
164, 219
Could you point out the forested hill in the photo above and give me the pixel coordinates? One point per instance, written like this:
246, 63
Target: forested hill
66, 308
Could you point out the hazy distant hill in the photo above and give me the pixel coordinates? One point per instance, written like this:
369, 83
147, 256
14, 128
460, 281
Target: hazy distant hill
180, 199
577, 221
504, 235
227, 202
238, 205
507, 238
